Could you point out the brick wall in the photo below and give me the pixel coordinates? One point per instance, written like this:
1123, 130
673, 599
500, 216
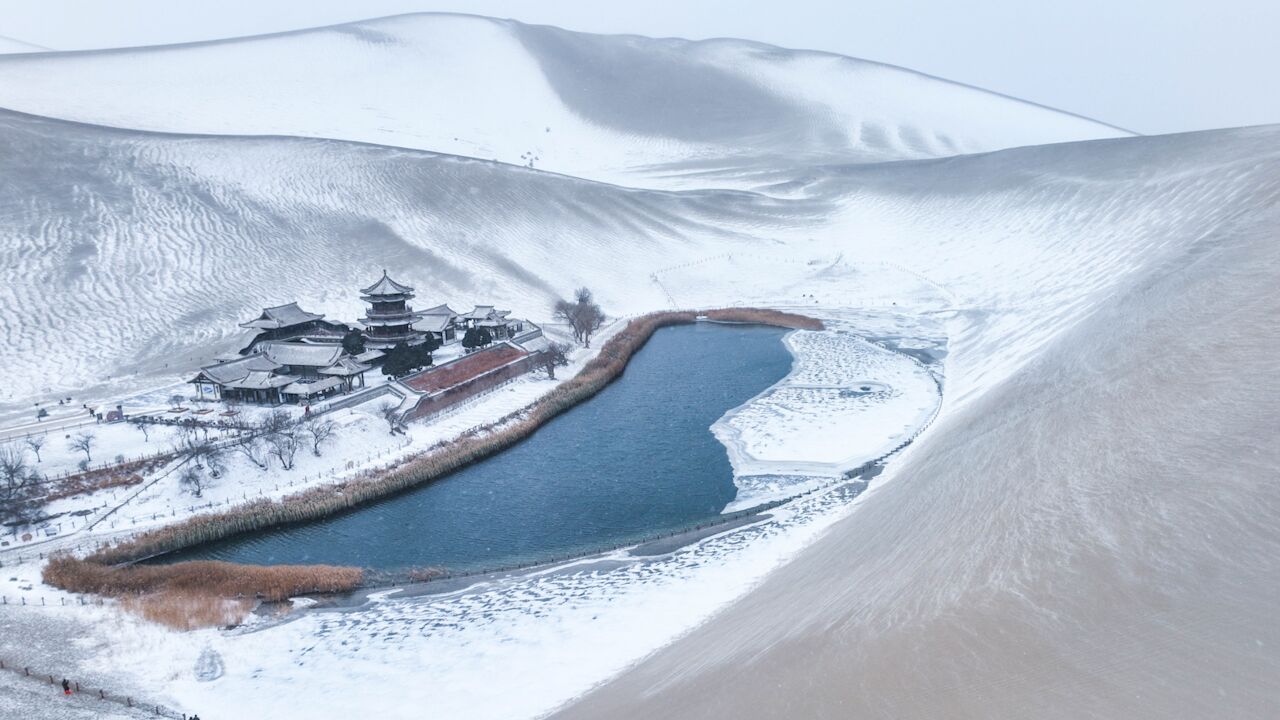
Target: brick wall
434, 403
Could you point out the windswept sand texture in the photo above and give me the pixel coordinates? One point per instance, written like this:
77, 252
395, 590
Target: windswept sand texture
1095, 537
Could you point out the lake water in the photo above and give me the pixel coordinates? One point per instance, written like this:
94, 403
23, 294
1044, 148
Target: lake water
636, 460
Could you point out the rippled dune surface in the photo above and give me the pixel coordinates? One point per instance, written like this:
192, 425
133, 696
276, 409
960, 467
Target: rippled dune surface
626, 109
143, 251
1094, 534
169, 240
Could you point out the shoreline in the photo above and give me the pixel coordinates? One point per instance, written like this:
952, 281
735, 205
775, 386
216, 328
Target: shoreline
327, 500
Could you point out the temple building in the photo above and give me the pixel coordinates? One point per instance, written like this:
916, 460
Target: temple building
442, 323
497, 322
390, 318
290, 322
276, 372
299, 356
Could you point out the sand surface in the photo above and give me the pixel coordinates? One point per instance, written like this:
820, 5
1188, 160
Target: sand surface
1096, 537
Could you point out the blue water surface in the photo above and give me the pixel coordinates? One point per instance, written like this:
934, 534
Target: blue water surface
636, 460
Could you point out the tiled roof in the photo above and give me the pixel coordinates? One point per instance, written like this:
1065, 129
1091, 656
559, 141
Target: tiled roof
440, 310
303, 354
387, 286
311, 387
345, 367
433, 323
281, 316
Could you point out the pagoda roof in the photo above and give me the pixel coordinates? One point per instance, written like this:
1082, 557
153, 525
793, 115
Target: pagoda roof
260, 380
440, 310
480, 312
303, 354
311, 387
281, 316
345, 367
369, 356
386, 286
404, 318
252, 372
433, 323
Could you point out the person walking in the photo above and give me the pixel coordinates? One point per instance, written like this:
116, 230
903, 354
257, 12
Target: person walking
66, 686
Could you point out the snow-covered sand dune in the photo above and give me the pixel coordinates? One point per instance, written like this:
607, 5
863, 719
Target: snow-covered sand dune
626, 109
138, 250
1092, 503
1095, 535
165, 241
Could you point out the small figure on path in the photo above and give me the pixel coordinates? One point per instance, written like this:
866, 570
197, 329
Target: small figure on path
66, 686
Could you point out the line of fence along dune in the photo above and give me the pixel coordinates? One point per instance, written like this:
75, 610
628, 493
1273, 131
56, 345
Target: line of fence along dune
101, 695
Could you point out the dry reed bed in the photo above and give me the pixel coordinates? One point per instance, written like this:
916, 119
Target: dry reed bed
103, 572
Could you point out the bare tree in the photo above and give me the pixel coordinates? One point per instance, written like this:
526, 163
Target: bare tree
319, 430
185, 440
567, 311
17, 484
391, 413
590, 316
36, 443
143, 427
215, 459
83, 441
583, 315
556, 355
284, 446
193, 478
251, 446
276, 421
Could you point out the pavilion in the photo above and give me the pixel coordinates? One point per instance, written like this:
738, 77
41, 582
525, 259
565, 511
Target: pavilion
278, 372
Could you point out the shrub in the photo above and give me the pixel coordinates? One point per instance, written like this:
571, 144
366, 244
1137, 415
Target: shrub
188, 611
765, 317
200, 577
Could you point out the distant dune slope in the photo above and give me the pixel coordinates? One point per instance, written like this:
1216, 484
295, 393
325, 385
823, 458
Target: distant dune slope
625, 109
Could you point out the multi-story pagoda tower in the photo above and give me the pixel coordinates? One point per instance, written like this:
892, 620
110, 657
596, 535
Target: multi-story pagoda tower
389, 319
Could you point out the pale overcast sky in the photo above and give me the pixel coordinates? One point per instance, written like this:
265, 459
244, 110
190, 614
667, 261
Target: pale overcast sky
1151, 66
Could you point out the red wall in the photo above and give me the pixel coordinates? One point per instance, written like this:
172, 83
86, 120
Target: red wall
432, 404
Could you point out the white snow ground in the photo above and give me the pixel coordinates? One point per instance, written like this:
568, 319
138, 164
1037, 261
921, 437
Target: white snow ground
846, 402
625, 109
